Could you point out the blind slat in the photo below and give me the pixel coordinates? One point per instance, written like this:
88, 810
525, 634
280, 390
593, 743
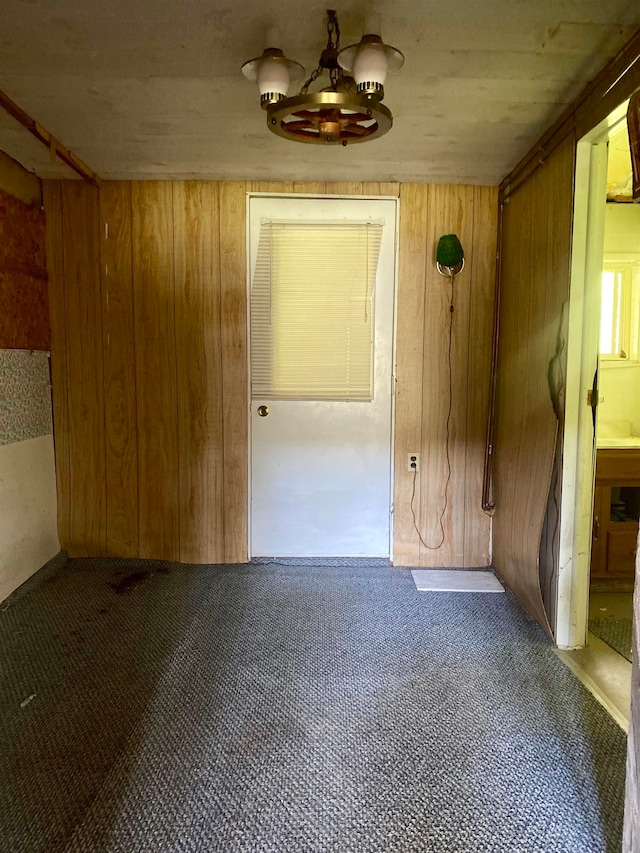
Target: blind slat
312, 310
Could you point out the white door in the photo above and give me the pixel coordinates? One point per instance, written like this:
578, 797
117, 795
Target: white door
321, 469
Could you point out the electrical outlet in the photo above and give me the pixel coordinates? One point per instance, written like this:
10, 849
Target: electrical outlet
413, 462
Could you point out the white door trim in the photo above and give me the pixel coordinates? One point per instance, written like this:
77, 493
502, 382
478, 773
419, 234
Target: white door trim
578, 472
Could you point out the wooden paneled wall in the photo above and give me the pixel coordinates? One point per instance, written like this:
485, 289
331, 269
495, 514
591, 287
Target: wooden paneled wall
148, 294
149, 365
537, 222
422, 388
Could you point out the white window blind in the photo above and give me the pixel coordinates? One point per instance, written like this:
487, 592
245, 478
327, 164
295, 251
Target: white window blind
312, 310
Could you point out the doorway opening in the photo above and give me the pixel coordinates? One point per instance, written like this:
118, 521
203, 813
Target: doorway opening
616, 510
601, 480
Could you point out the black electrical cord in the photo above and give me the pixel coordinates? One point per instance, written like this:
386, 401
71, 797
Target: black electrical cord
415, 473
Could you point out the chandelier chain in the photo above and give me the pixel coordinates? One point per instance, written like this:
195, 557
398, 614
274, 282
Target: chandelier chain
333, 29
333, 44
312, 79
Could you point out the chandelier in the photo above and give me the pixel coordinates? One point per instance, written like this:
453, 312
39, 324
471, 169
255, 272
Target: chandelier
349, 109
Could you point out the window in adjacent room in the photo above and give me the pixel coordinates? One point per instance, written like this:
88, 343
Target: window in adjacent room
620, 310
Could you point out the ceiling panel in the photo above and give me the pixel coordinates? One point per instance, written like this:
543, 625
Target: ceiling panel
153, 88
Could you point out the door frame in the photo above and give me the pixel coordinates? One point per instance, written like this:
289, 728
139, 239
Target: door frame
578, 473
392, 378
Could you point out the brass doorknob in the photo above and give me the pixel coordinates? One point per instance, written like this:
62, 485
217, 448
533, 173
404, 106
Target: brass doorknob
263, 411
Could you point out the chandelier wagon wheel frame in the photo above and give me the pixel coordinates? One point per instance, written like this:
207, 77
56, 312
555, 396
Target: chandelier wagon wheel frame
349, 109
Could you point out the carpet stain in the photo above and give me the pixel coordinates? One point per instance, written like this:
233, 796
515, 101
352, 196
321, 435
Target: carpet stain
131, 581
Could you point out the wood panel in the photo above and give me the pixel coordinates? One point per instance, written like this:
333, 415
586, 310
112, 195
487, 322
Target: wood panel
381, 188
389, 188
270, 187
526, 427
531, 368
550, 537
80, 218
482, 292
442, 474
199, 360
386, 188
409, 369
371, 188
452, 532
54, 247
343, 188
155, 358
235, 392
558, 263
520, 503
116, 268
309, 187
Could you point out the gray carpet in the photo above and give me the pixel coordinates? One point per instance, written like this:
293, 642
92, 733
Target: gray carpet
615, 633
263, 709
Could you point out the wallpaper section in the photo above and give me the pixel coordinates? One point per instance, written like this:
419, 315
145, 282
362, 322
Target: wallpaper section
25, 395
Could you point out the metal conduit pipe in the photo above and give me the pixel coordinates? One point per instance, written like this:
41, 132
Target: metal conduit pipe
488, 501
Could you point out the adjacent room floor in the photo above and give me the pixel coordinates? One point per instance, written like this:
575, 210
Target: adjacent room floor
611, 619
604, 665
162, 707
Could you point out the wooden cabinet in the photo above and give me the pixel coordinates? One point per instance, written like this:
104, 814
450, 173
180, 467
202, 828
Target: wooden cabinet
616, 511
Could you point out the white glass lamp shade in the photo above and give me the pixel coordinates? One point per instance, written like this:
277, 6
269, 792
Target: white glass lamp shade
370, 60
371, 64
273, 76
273, 73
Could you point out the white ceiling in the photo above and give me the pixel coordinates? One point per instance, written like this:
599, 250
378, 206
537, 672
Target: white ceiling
153, 89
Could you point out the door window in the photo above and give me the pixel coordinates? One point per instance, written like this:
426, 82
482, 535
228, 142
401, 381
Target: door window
312, 310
